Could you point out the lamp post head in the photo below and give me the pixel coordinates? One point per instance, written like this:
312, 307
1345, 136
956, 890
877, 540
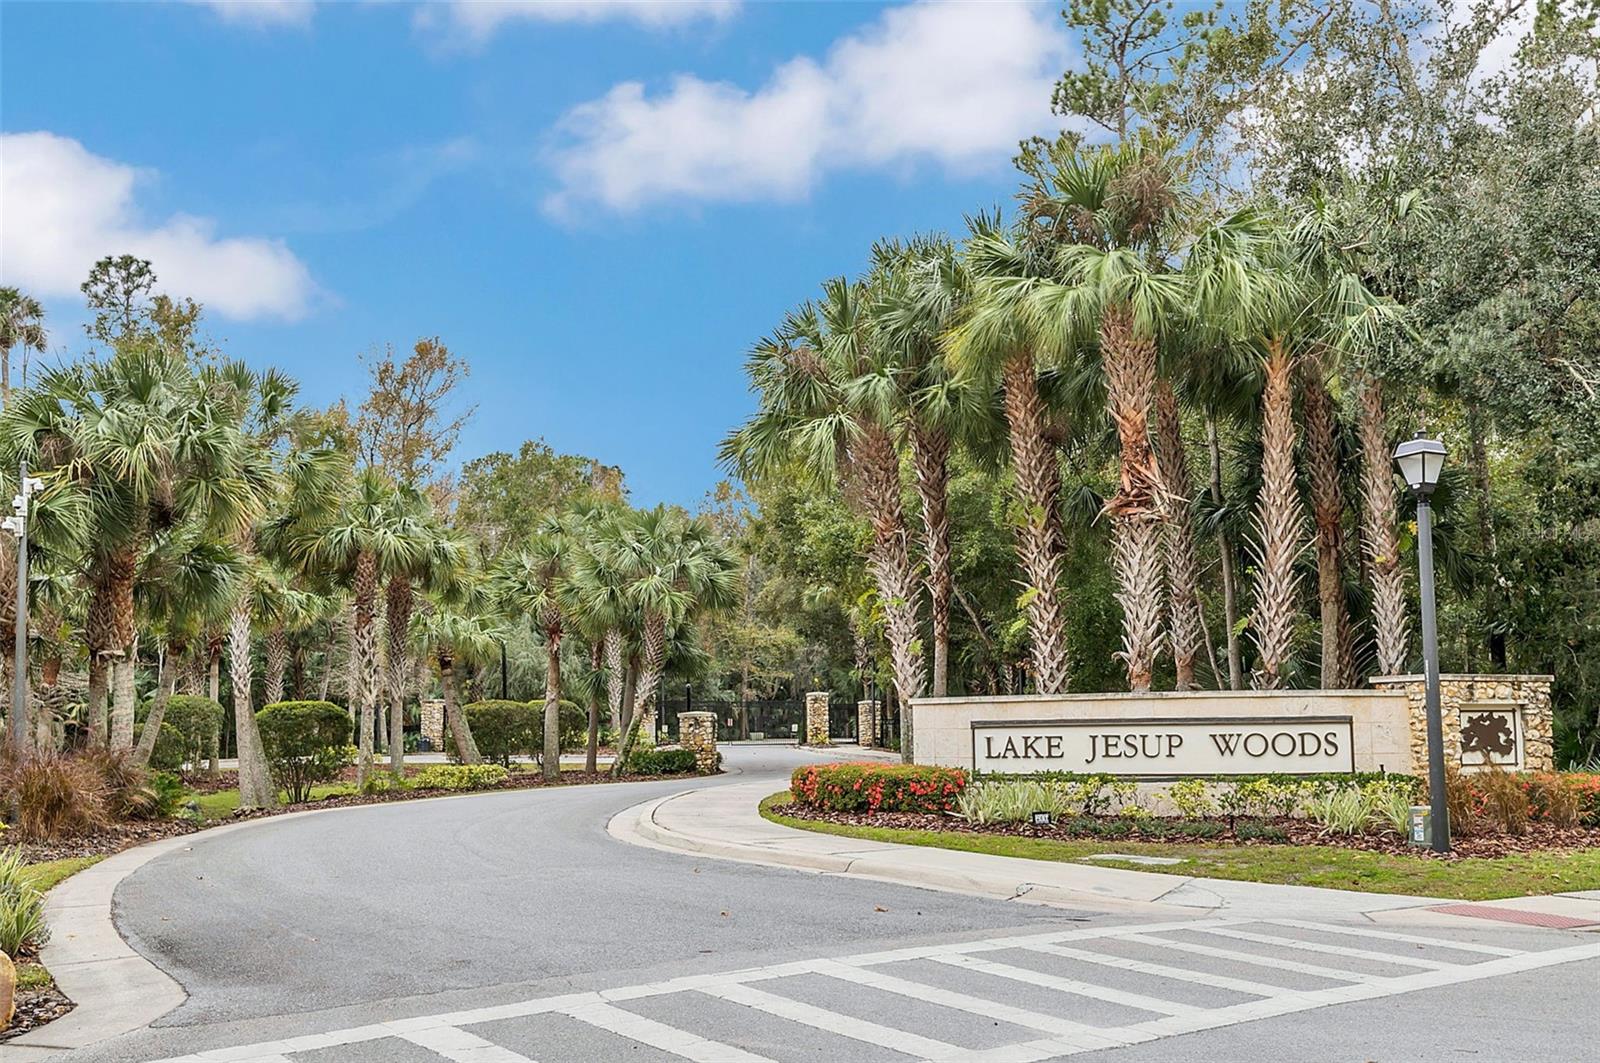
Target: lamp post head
1421, 460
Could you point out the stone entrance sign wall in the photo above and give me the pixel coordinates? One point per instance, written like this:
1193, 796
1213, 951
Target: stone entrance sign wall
1361, 730
1502, 720
1499, 720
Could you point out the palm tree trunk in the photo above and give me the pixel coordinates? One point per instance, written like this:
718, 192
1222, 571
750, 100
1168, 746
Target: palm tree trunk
552, 699
214, 692
630, 727
51, 701
930, 454
1279, 521
591, 750
364, 651
1135, 511
1039, 547
1327, 510
454, 718
614, 678
99, 687
399, 601
122, 692
876, 467
1379, 538
1182, 567
1230, 592
256, 789
166, 683
277, 662
650, 668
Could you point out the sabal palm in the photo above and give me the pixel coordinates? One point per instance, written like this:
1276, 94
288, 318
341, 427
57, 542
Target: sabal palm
449, 631
146, 447
1113, 213
919, 292
997, 347
370, 535
829, 401
438, 567
188, 582
21, 325
1353, 322
535, 583
659, 570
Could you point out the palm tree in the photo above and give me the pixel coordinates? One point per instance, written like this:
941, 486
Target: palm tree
1113, 211
370, 535
1323, 467
654, 572
437, 567
187, 582
996, 346
535, 582
1182, 564
21, 325
828, 402
919, 291
447, 632
148, 447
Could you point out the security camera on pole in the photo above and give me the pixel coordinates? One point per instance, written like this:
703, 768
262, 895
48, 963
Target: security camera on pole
1421, 460
17, 524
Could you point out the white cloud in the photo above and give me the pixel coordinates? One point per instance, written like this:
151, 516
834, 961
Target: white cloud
478, 20
63, 207
953, 83
261, 12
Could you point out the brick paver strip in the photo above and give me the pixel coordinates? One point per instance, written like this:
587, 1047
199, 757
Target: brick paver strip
1515, 915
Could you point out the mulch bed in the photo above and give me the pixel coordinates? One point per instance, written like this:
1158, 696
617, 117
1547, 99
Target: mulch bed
109, 841
1540, 838
35, 1007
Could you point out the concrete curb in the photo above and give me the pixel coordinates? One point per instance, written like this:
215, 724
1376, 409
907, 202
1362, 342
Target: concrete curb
692, 822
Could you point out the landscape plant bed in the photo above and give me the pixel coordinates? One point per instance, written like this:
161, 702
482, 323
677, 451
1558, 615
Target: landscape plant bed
38, 1001
1464, 876
106, 842
1541, 837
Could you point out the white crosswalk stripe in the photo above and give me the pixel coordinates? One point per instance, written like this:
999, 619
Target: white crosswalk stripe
468, 1036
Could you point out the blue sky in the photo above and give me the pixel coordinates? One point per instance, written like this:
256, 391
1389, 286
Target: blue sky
600, 205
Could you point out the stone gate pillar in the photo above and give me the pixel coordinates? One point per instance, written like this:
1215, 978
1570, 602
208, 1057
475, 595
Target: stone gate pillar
867, 724
817, 718
697, 731
433, 722
1489, 720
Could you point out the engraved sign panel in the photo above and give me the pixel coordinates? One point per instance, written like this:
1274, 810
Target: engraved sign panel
1491, 735
1167, 748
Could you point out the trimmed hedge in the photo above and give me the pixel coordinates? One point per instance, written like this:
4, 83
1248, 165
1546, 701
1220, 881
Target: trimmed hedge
660, 761
459, 777
506, 729
873, 787
306, 743
188, 727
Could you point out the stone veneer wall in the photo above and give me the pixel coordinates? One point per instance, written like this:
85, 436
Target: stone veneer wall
867, 724
1529, 694
817, 718
697, 731
433, 722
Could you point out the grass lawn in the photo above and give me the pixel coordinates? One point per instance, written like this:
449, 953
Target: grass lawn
44, 875
1471, 879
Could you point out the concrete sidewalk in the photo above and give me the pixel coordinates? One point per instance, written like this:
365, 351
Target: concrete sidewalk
724, 822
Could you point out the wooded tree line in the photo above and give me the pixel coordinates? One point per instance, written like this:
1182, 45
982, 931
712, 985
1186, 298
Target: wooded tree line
1134, 431
190, 513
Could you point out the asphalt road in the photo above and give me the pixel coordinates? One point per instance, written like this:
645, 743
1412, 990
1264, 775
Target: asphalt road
494, 920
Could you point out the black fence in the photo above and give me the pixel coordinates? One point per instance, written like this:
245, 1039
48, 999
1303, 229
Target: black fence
777, 719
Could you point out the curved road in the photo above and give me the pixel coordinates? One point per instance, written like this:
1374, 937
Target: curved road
333, 922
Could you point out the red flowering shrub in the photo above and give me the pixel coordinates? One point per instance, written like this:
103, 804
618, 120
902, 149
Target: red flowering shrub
871, 787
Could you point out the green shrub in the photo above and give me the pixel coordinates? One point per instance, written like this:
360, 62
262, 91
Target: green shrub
506, 729
306, 743
573, 729
878, 787
660, 761
1265, 832
1192, 798
198, 723
169, 792
459, 777
21, 908
1343, 811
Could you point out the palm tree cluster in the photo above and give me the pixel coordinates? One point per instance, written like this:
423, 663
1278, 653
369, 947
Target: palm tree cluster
190, 510
1103, 325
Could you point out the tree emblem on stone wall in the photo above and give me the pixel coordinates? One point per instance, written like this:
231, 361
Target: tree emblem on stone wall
1488, 733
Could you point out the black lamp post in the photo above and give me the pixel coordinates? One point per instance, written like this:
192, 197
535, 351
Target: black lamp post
1421, 460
